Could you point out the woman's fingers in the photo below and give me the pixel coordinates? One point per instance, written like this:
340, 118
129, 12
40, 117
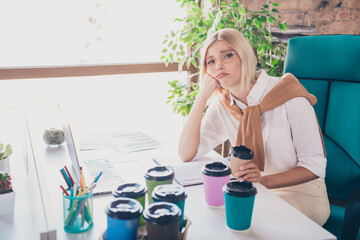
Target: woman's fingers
249, 172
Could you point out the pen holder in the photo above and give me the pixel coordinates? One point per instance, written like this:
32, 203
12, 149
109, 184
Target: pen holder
78, 213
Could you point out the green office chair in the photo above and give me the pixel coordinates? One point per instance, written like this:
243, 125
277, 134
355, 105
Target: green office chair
329, 67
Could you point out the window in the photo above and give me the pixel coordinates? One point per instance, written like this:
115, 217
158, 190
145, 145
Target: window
67, 32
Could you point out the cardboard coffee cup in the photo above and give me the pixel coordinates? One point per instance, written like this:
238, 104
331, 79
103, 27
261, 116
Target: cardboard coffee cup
239, 204
162, 221
239, 156
132, 190
123, 215
215, 176
171, 193
157, 176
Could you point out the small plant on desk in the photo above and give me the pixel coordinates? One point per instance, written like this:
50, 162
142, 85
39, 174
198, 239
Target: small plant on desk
4, 157
5, 183
5, 152
7, 194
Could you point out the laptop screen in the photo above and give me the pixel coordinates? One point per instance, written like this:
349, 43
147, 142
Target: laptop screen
72, 149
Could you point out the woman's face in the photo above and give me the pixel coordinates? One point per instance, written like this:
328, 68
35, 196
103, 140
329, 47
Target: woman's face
223, 63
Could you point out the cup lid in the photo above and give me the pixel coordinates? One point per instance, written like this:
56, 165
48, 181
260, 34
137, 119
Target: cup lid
216, 169
242, 152
159, 173
130, 190
169, 193
162, 213
124, 208
240, 189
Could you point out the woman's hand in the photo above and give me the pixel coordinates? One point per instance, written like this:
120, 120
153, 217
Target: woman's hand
207, 86
249, 172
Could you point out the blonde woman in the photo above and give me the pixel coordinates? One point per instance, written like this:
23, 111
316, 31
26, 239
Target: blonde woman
272, 116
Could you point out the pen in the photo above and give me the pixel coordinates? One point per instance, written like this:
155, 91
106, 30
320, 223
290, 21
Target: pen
66, 180
96, 179
66, 193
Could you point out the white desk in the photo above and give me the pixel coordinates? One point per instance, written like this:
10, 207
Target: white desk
272, 218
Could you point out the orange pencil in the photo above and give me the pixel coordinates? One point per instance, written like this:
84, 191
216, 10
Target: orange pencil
82, 180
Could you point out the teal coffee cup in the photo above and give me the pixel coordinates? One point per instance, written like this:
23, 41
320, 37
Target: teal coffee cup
155, 176
239, 204
171, 193
132, 190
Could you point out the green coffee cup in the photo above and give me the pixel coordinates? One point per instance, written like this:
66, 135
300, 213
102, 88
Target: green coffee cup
155, 176
132, 190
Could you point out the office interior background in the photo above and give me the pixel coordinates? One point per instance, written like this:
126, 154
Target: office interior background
65, 33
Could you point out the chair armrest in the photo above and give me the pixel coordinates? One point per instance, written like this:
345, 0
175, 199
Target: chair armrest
352, 212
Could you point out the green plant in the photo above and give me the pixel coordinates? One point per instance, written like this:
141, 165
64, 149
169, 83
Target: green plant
5, 183
4, 153
183, 46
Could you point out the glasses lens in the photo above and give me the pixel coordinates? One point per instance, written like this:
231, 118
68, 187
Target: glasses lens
225, 58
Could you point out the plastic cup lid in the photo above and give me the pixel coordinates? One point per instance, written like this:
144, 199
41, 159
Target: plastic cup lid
216, 169
169, 193
162, 213
242, 152
130, 190
240, 189
159, 173
124, 208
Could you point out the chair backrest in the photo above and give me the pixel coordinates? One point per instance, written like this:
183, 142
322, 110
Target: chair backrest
329, 67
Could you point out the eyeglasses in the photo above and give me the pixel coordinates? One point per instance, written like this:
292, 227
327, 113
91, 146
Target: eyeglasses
225, 58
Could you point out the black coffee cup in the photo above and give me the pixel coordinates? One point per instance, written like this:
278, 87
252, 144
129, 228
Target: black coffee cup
162, 221
171, 193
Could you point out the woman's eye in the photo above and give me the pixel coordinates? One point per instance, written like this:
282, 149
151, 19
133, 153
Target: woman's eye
230, 55
210, 62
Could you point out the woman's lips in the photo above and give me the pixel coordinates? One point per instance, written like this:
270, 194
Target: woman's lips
221, 75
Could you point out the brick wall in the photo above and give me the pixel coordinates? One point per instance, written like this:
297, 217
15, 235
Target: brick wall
327, 16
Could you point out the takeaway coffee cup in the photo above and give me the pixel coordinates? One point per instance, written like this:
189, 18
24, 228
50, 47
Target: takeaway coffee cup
239, 204
162, 221
123, 215
239, 156
171, 193
215, 176
157, 176
132, 190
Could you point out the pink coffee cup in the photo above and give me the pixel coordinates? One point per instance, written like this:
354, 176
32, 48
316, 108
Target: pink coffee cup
215, 176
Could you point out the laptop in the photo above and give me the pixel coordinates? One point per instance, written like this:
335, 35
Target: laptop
97, 162
117, 167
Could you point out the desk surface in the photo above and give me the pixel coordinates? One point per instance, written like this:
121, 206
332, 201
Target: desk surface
273, 218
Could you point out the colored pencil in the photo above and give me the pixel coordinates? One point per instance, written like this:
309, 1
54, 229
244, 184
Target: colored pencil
67, 171
66, 193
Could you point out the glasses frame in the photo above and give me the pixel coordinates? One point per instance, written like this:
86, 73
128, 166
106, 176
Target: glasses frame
222, 60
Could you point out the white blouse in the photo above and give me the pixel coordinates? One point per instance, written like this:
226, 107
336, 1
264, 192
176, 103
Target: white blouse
290, 131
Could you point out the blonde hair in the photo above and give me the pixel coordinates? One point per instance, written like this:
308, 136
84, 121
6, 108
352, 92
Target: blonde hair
239, 43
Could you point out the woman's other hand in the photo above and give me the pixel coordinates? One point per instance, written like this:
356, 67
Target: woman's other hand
207, 86
249, 172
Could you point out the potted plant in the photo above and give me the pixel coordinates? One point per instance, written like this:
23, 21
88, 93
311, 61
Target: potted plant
183, 46
4, 157
7, 195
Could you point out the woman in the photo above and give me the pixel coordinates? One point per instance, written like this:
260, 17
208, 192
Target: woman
272, 116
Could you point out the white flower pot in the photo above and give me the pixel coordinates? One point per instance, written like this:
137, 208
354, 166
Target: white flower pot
5, 165
7, 203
